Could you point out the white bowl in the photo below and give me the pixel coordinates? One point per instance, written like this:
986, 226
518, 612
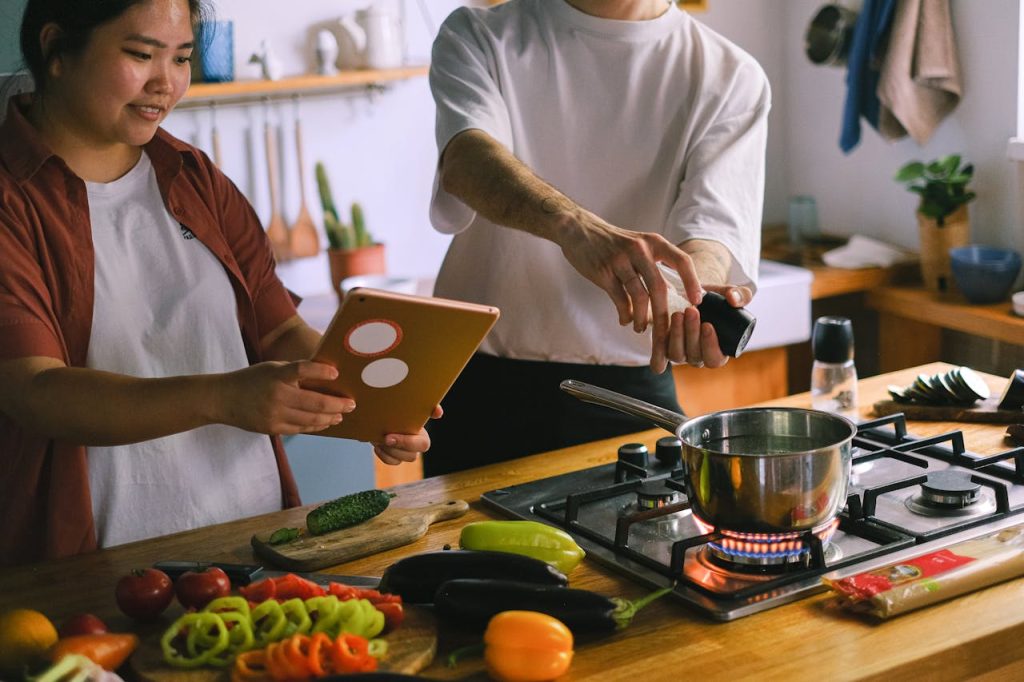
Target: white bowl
1018, 303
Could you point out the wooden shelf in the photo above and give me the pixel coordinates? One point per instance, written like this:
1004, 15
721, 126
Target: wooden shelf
995, 321
254, 90
829, 281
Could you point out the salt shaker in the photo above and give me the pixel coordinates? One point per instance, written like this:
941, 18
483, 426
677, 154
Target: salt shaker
833, 375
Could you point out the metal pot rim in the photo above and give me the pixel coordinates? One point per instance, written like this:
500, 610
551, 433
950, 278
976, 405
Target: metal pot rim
694, 423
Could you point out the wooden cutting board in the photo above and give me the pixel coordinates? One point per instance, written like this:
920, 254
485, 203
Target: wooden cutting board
411, 648
986, 411
394, 527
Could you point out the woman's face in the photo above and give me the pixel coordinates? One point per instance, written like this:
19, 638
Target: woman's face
130, 75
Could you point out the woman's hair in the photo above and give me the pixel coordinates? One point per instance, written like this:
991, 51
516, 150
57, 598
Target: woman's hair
77, 19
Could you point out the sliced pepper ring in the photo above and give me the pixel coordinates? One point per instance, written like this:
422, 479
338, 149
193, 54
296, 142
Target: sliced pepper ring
200, 649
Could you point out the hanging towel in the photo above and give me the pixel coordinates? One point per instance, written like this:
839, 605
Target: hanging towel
863, 68
920, 83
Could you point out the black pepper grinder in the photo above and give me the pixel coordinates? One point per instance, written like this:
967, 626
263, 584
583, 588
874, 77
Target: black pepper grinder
733, 325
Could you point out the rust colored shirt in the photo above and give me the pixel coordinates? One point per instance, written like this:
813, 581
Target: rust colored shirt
46, 307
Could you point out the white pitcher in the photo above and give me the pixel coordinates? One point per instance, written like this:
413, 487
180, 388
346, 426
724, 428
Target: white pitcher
374, 36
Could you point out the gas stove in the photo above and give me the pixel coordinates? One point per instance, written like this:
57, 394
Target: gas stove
907, 496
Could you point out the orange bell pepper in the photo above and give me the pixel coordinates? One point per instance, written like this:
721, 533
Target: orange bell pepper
527, 646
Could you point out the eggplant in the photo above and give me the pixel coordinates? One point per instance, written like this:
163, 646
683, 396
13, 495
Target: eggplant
471, 603
416, 578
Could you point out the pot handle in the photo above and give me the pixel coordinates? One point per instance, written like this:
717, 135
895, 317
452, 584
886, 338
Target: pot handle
659, 416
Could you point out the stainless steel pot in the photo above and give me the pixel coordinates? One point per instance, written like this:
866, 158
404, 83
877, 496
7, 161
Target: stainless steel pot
753, 470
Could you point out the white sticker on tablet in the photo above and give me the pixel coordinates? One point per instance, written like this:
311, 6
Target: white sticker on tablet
373, 337
385, 373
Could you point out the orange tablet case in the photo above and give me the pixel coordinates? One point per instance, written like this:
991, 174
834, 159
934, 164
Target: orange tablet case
397, 355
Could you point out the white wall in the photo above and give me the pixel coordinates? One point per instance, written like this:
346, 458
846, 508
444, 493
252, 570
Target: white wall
379, 151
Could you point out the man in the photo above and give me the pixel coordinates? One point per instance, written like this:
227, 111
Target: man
583, 142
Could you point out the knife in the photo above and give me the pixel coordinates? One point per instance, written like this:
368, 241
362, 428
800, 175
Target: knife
243, 574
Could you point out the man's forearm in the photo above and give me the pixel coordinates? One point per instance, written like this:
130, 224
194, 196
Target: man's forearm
712, 260
488, 178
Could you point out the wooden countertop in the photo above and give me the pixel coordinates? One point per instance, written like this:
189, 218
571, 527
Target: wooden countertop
977, 633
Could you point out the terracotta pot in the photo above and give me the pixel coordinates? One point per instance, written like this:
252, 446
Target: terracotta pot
936, 241
366, 260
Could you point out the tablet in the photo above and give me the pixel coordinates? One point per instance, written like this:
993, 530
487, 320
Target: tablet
397, 355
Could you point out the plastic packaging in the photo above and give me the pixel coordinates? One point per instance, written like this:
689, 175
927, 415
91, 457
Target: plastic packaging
833, 374
924, 580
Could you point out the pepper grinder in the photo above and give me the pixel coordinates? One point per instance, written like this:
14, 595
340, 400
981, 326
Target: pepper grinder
833, 374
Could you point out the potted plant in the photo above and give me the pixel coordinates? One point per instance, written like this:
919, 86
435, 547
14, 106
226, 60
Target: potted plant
351, 249
942, 217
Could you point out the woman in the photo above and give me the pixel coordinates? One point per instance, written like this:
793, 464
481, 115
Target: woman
146, 345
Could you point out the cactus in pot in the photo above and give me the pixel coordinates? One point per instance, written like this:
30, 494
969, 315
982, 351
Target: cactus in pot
352, 249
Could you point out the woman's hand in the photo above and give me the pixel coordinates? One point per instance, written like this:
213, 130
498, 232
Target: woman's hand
268, 398
398, 448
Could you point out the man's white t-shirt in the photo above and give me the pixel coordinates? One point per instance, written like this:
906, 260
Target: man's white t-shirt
164, 307
656, 126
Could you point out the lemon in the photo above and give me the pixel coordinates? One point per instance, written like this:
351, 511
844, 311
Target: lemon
24, 635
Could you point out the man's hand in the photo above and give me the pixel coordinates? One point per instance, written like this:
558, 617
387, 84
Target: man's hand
625, 265
695, 342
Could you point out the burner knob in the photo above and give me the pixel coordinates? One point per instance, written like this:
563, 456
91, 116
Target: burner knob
669, 451
634, 453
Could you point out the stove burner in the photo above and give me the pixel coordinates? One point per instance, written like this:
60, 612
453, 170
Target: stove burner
950, 493
766, 549
655, 495
950, 489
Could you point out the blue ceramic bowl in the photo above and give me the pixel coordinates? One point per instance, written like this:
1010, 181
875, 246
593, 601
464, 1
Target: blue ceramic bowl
984, 274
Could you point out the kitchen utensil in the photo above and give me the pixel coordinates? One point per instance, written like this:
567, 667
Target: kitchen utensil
829, 35
215, 137
303, 240
277, 229
374, 35
239, 574
394, 527
753, 470
411, 648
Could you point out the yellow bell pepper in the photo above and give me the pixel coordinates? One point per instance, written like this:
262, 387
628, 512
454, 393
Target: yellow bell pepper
527, 646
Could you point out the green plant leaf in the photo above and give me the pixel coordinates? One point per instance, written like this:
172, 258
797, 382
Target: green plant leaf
910, 172
950, 164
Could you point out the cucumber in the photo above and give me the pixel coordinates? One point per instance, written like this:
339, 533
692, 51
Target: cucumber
347, 511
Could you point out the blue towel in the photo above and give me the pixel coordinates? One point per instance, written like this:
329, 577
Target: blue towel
863, 69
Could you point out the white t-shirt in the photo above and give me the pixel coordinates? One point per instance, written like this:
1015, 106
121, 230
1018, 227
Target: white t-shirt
164, 307
655, 126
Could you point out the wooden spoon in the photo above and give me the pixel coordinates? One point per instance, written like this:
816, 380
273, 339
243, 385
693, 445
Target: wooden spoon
277, 229
304, 241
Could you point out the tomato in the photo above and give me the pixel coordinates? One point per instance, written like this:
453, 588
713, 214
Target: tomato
82, 624
144, 593
196, 589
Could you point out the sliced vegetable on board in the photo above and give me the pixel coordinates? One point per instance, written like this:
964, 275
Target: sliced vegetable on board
347, 511
529, 538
